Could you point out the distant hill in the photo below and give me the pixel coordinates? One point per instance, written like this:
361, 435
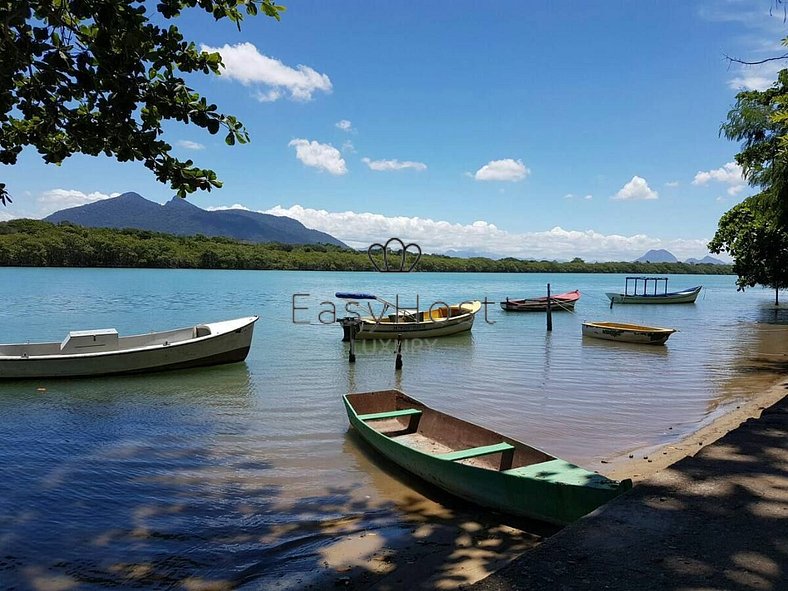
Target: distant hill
665, 256
657, 256
180, 217
707, 260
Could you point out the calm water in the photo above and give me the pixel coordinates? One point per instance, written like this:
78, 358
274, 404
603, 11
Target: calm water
246, 473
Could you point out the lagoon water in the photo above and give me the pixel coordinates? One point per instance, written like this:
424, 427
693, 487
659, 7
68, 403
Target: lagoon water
247, 473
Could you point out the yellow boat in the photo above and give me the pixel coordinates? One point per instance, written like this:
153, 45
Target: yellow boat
629, 333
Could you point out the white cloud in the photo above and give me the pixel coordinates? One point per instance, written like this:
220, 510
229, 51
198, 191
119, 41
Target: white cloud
502, 170
189, 145
672, 184
345, 125
56, 199
362, 229
347, 146
244, 63
750, 82
587, 197
321, 156
636, 189
729, 174
385, 165
5, 216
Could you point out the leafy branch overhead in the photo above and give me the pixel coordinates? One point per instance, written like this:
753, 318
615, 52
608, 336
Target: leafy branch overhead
100, 77
755, 232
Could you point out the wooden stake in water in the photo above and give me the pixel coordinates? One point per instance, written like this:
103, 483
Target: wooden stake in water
549, 311
398, 361
352, 356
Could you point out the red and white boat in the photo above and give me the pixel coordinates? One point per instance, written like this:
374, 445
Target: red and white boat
562, 301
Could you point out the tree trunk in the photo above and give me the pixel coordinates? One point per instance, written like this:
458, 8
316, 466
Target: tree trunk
776, 297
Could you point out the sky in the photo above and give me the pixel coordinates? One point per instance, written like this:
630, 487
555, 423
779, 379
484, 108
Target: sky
547, 130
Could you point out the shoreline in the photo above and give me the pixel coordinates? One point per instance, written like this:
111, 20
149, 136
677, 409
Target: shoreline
470, 552
652, 460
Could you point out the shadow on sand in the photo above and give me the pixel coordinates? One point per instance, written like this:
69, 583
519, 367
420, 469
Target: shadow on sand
713, 521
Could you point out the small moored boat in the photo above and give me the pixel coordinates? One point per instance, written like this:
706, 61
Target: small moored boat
103, 352
629, 333
438, 320
562, 301
475, 463
642, 294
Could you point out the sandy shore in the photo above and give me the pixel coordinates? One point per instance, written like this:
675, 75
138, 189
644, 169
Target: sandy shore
451, 546
648, 462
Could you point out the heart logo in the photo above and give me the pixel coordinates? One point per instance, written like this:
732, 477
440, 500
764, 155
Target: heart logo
387, 267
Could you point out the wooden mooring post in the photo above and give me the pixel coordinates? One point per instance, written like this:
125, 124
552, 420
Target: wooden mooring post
398, 360
549, 311
350, 326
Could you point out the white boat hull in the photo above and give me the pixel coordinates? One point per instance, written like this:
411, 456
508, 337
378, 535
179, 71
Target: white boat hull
688, 296
220, 343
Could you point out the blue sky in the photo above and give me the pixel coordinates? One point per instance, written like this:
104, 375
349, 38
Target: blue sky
529, 129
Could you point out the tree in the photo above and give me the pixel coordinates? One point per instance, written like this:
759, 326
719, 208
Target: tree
100, 77
753, 235
760, 121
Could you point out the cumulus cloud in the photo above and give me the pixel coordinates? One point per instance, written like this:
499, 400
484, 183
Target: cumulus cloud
750, 82
56, 199
730, 174
345, 125
189, 145
244, 63
502, 170
362, 229
5, 216
321, 156
635, 190
384, 165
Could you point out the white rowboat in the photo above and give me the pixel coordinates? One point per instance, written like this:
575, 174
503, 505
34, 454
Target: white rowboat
103, 352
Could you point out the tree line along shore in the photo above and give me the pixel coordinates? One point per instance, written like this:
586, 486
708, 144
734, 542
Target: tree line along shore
35, 243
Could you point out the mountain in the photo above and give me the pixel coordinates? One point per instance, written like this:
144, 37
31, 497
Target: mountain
707, 260
178, 216
657, 256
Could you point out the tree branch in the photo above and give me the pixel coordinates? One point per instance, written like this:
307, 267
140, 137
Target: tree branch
763, 61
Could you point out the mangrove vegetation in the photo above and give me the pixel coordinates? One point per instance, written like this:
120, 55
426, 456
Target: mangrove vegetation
35, 243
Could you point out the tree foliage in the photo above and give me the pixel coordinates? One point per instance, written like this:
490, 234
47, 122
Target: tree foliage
752, 234
759, 120
35, 243
101, 77
755, 232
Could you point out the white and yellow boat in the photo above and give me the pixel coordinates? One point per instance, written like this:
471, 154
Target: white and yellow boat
437, 321
628, 333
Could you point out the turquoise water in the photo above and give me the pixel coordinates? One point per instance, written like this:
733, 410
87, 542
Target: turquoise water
242, 472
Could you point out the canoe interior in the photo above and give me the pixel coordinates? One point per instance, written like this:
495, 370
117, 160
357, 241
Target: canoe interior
434, 432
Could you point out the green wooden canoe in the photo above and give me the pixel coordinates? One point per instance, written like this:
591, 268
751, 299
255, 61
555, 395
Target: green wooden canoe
477, 464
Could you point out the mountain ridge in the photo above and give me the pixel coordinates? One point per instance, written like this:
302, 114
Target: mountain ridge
178, 216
